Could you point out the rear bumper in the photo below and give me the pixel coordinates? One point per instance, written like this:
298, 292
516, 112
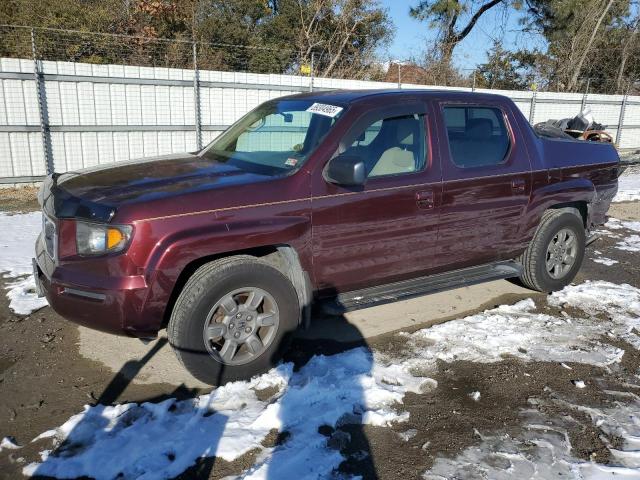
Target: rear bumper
109, 304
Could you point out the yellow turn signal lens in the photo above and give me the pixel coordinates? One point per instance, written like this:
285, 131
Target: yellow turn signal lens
114, 237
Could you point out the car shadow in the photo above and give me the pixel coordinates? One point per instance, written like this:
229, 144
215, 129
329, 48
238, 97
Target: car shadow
332, 334
348, 436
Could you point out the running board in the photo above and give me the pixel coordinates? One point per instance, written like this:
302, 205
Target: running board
369, 297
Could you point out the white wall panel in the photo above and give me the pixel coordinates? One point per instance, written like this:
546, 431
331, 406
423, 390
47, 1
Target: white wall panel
19, 142
105, 147
90, 154
7, 159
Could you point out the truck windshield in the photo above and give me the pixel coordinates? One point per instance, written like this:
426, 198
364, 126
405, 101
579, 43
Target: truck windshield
276, 138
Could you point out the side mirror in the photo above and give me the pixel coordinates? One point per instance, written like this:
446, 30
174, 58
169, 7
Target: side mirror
346, 170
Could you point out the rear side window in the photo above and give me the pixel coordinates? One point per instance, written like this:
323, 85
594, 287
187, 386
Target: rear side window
477, 135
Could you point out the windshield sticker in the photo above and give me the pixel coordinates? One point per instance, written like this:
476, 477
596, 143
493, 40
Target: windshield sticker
291, 162
324, 109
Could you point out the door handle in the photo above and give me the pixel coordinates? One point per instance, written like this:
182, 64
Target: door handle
518, 185
425, 199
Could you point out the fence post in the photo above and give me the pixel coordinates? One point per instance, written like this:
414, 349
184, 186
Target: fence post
584, 96
313, 58
196, 96
532, 109
623, 109
42, 106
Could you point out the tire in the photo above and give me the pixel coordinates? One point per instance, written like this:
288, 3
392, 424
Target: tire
537, 258
203, 319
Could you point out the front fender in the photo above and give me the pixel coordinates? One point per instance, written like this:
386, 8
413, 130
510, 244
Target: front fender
184, 240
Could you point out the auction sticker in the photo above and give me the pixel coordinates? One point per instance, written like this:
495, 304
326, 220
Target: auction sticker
324, 109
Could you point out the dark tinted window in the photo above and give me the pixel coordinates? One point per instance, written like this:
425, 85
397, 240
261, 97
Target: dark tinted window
392, 146
477, 135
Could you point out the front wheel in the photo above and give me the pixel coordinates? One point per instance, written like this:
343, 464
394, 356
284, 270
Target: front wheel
232, 319
555, 253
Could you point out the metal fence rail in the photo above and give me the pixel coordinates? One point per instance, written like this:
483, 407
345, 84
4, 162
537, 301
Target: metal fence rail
60, 116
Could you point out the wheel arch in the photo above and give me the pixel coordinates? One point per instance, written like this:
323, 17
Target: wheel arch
283, 257
577, 194
578, 207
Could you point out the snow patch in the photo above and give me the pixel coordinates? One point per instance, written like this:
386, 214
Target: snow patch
8, 443
615, 224
514, 330
605, 261
16, 251
542, 450
628, 188
23, 299
630, 243
162, 440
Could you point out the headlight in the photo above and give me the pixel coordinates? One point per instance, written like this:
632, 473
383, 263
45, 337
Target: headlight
94, 238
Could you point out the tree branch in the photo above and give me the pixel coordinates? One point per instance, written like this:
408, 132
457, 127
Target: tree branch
476, 16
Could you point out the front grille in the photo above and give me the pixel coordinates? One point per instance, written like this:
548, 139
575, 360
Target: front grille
49, 236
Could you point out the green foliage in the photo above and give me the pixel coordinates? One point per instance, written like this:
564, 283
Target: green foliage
612, 60
508, 70
242, 35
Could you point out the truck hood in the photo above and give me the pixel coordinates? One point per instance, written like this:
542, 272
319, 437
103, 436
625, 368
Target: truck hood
96, 193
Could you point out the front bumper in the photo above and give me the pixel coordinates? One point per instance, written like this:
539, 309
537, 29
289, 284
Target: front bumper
109, 304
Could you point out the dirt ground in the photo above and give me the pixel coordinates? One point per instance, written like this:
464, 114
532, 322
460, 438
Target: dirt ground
44, 380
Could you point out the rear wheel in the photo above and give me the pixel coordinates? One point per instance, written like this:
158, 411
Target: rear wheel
232, 319
556, 251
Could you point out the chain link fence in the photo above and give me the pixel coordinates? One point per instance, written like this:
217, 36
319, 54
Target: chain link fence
73, 99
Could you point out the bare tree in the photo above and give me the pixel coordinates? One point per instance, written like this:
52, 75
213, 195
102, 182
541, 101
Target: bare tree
446, 16
586, 49
626, 52
342, 34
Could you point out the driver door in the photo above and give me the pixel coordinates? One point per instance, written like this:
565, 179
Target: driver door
385, 230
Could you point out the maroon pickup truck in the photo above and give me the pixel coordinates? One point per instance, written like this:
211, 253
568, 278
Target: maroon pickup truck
347, 199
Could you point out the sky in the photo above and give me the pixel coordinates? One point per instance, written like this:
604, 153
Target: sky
413, 36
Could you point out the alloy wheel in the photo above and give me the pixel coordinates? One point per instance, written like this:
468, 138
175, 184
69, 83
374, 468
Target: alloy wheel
561, 253
241, 326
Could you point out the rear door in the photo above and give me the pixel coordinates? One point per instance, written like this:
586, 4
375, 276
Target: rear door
385, 230
486, 184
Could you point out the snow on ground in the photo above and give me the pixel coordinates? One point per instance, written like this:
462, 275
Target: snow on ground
630, 243
605, 261
162, 440
542, 450
628, 187
17, 244
16, 251
8, 443
156, 441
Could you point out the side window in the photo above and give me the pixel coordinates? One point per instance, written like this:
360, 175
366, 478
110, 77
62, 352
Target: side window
392, 146
477, 135
369, 134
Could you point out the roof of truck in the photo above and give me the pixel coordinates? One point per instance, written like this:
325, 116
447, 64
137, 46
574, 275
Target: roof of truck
351, 96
